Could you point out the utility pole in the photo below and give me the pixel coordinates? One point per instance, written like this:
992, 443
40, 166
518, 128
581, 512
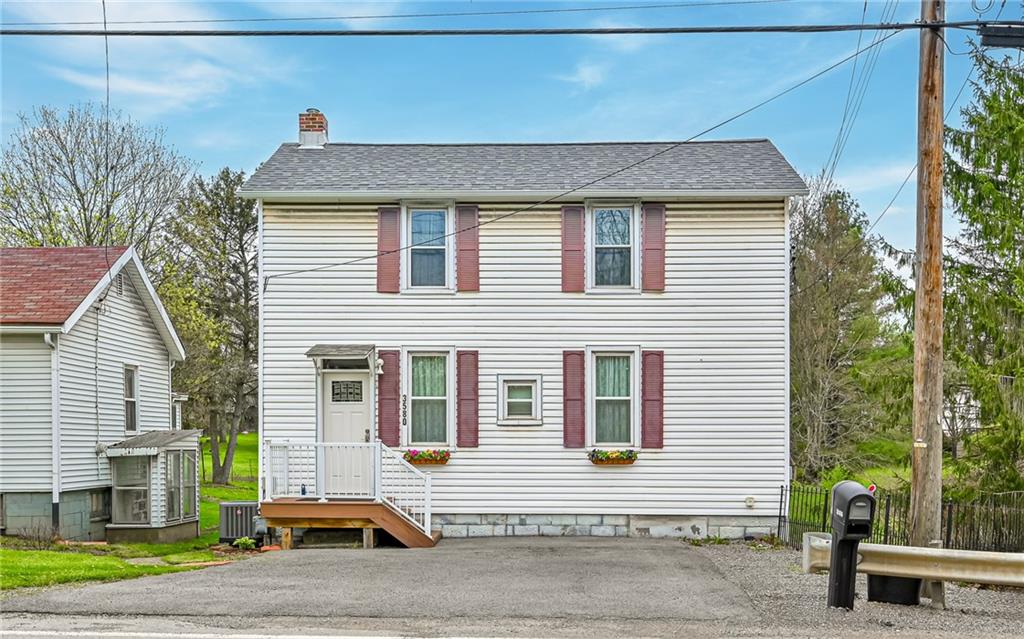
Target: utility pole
926, 478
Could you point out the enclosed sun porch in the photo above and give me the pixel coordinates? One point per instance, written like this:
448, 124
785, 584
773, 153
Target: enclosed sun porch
342, 476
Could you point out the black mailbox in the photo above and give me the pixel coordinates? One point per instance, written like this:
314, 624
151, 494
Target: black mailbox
853, 511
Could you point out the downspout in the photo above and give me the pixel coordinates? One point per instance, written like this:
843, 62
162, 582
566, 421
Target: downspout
52, 341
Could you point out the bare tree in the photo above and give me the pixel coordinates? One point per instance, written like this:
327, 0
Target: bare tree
72, 178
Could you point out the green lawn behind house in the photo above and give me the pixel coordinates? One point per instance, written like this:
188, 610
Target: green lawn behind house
26, 563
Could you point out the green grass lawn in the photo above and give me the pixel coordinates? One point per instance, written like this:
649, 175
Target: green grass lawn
24, 568
24, 563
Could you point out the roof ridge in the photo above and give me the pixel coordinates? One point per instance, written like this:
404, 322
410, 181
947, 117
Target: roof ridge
605, 143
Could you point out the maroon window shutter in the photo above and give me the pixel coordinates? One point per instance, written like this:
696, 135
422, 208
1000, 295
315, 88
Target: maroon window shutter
654, 247
467, 392
573, 246
389, 398
388, 256
574, 399
652, 415
467, 241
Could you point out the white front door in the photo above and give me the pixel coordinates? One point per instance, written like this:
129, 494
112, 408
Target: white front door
347, 420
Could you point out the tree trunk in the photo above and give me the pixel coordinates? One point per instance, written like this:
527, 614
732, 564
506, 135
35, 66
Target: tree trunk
232, 435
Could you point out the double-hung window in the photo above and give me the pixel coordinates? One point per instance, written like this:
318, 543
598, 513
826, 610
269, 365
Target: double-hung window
613, 392
428, 399
131, 403
430, 253
614, 256
519, 400
131, 490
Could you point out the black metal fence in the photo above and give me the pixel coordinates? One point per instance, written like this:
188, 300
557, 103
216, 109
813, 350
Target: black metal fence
992, 522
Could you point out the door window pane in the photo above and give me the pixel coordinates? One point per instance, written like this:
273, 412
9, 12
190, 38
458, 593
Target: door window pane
347, 391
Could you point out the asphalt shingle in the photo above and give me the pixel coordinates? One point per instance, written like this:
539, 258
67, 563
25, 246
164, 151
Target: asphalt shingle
728, 165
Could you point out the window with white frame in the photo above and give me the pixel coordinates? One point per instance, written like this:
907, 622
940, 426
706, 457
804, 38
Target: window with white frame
519, 400
430, 255
173, 485
428, 399
180, 485
131, 490
613, 389
613, 247
131, 402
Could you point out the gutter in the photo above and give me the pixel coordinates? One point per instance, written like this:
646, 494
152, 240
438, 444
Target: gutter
506, 196
52, 340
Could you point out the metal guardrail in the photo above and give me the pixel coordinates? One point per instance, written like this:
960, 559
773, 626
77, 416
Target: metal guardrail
932, 564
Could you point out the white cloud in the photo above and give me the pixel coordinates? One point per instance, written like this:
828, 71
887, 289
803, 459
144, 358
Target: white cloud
587, 75
149, 76
876, 176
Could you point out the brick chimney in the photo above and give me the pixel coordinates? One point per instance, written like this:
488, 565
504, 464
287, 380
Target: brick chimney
312, 129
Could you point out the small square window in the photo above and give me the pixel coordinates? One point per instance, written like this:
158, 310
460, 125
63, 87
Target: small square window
519, 400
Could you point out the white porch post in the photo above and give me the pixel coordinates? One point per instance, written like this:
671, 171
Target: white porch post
321, 471
378, 475
267, 486
426, 506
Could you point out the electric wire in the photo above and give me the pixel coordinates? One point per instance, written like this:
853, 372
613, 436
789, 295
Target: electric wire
672, 146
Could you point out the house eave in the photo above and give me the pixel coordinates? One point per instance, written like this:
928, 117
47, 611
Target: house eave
290, 196
30, 329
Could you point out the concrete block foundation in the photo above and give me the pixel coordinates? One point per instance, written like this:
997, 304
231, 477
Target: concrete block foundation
590, 525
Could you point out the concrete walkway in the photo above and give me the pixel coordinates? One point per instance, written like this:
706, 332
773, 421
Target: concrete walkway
543, 586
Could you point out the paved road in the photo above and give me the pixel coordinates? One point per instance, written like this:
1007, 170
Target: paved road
538, 586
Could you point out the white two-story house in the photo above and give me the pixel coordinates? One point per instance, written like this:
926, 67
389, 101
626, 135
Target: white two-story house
91, 445
589, 349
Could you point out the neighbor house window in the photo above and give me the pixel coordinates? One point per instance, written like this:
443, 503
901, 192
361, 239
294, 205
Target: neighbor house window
131, 404
131, 490
428, 399
99, 505
613, 399
519, 400
429, 252
613, 242
173, 485
189, 475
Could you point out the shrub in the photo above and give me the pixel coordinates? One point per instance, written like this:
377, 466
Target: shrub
245, 543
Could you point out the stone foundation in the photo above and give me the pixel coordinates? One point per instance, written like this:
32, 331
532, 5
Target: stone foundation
666, 526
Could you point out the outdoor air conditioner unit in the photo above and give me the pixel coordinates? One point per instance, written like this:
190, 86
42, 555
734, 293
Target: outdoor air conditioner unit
236, 520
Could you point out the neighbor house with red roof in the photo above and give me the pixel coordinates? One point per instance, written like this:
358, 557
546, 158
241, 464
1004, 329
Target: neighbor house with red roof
90, 439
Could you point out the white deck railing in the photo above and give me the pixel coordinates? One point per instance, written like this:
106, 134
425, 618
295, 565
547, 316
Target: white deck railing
353, 471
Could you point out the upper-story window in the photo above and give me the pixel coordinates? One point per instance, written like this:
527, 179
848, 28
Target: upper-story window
614, 257
131, 399
430, 263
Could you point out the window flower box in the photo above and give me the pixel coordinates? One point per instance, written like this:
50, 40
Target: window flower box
427, 456
601, 457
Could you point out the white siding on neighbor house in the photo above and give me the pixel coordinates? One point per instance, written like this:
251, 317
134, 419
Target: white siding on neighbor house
721, 322
126, 336
25, 437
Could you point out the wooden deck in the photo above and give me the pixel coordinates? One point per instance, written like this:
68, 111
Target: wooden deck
297, 512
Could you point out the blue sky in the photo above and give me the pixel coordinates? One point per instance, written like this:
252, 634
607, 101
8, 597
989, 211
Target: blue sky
232, 101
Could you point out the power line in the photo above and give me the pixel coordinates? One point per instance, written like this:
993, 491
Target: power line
384, 16
845, 256
560, 31
816, 75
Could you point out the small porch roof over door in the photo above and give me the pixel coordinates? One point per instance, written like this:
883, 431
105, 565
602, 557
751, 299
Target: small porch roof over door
340, 351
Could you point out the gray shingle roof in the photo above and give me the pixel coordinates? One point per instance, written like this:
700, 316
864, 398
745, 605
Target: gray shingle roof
726, 166
155, 439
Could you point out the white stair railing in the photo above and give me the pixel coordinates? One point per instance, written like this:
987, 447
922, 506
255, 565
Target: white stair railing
348, 471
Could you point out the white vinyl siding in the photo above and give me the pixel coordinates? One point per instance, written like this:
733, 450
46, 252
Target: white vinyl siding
720, 321
126, 337
25, 413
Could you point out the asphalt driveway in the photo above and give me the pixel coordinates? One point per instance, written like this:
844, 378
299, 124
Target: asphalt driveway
547, 584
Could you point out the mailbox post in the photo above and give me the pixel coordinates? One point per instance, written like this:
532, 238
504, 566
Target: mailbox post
853, 511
